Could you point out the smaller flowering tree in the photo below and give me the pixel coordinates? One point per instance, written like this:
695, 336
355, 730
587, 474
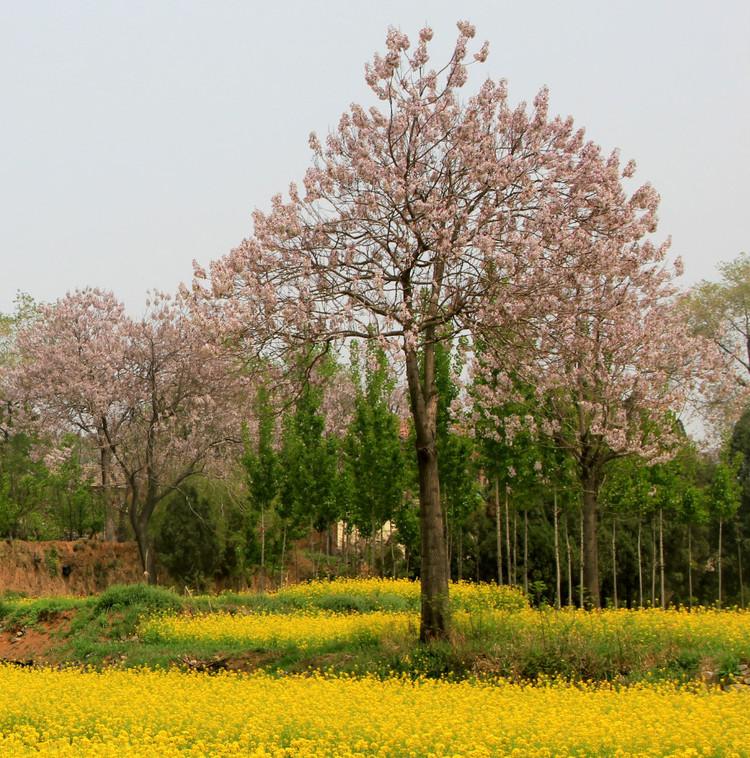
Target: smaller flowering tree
69, 373
159, 396
185, 402
720, 312
612, 360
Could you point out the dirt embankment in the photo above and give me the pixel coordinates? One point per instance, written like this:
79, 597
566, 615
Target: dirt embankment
82, 567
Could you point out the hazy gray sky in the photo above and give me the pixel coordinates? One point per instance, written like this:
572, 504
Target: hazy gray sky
136, 136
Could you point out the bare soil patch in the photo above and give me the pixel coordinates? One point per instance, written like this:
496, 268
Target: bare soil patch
53, 568
34, 645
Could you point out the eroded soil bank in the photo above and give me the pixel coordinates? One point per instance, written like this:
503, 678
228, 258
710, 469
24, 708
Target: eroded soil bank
82, 567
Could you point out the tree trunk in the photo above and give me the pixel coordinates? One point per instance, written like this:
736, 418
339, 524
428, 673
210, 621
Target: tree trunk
580, 566
283, 551
372, 547
382, 552
508, 551
423, 396
345, 546
721, 524
614, 562
312, 548
110, 529
739, 565
515, 547
262, 549
460, 554
434, 621
640, 566
661, 561
569, 551
526, 552
498, 533
145, 548
448, 541
653, 563
690, 568
558, 577
590, 544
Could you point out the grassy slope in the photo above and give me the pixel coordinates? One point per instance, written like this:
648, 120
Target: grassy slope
102, 630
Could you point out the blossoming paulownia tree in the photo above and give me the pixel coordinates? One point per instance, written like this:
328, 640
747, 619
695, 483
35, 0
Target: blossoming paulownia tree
420, 220
71, 360
612, 360
185, 402
160, 398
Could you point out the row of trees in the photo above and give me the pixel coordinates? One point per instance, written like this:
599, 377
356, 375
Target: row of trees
332, 472
491, 257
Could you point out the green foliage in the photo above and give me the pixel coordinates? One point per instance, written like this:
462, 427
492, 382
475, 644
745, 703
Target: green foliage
51, 561
23, 485
308, 461
725, 491
188, 541
262, 464
145, 596
459, 488
75, 509
374, 462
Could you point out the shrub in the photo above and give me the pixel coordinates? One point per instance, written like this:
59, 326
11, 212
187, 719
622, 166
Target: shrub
144, 595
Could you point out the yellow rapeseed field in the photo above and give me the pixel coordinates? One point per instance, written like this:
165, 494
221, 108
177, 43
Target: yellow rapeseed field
302, 629
643, 629
150, 713
463, 595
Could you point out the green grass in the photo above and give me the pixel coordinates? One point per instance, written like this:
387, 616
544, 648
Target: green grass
103, 630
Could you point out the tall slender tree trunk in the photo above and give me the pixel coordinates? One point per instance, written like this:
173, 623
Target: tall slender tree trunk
283, 555
653, 563
690, 567
590, 543
739, 564
661, 561
721, 525
614, 562
448, 541
558, 578
508, 551
262, 549
345, 547
526, 552
382, 552
498, 533
372, 547
460, 554
569, 552
515, 546
640, 565
312, 549
580, 566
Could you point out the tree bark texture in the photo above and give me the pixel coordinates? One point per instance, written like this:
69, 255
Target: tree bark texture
590, 543
434, 568
558, 577
498, 533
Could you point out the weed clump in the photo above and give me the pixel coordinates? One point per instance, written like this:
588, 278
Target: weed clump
144, 596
